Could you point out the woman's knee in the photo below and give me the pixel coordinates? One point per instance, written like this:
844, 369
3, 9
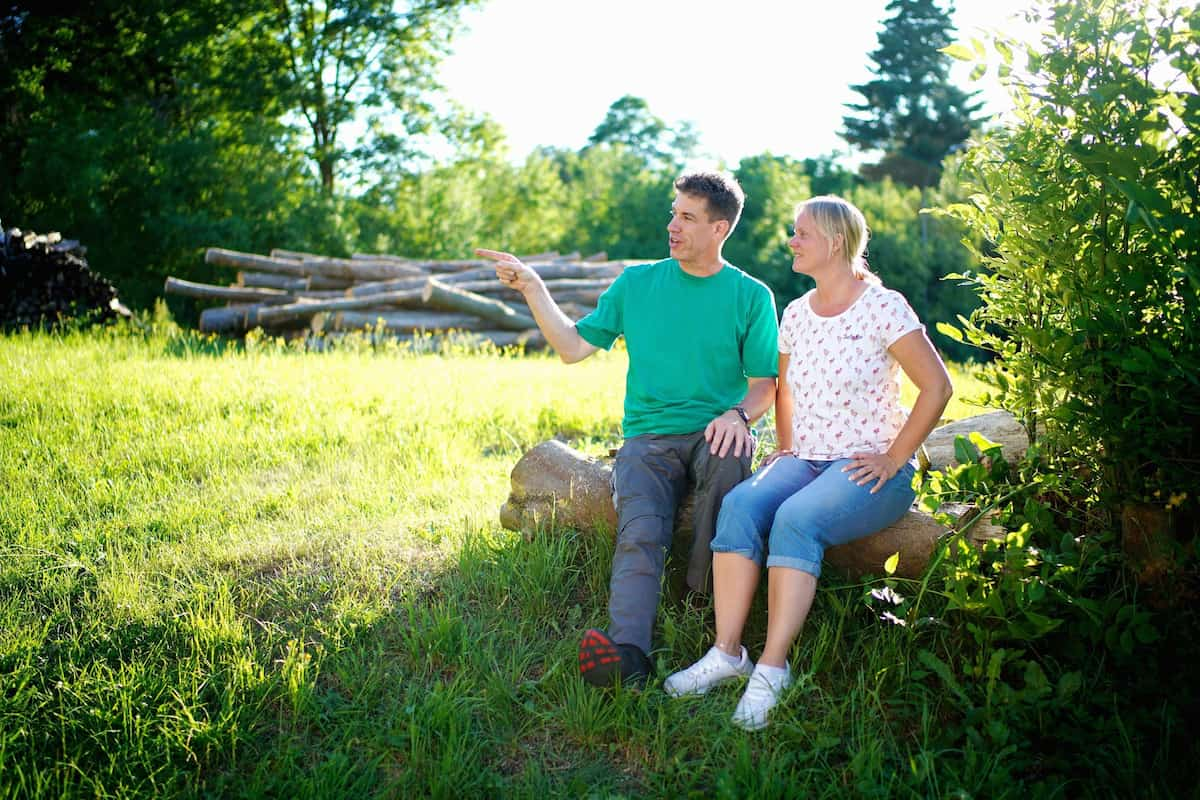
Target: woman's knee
738, 529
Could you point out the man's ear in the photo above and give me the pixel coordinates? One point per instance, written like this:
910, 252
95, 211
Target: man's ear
723, 228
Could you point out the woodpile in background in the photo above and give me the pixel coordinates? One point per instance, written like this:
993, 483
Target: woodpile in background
45, 280
290, 293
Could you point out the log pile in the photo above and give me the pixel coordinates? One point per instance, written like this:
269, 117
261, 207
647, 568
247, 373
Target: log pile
556, 487
45, 280
292, 293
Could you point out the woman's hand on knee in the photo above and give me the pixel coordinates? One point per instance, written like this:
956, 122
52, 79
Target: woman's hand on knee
773, 457
867, 467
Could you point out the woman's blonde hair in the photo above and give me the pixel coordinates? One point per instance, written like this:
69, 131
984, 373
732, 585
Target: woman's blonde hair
835, 217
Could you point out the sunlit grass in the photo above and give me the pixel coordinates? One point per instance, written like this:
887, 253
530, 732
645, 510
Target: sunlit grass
253, 570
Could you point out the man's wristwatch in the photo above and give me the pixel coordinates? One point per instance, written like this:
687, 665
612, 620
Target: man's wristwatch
741, 412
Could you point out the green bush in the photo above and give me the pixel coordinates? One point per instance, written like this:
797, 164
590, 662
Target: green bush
1089, 201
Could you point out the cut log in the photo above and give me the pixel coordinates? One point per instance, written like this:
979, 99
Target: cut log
206, 291
252, 262
343, 268
230, 319
305, 310
499, 314
397, 321
425, 342
555, 286
555, 486
289, 283
609, 270
295, 255
1000, 427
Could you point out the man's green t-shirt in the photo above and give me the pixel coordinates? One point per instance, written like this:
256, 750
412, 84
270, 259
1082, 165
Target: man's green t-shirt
692, 342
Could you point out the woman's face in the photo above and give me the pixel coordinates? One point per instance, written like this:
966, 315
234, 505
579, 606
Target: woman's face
810, 248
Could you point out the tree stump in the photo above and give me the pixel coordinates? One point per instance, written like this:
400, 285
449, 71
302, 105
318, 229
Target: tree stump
555, 486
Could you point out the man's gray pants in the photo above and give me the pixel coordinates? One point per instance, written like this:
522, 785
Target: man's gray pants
651, 478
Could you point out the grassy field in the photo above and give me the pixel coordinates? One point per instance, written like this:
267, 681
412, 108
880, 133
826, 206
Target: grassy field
257, 572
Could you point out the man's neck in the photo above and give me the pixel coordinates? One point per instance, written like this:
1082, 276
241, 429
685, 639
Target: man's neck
703, 267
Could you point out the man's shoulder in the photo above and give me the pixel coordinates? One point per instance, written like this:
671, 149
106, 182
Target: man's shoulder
647, 269
747, 280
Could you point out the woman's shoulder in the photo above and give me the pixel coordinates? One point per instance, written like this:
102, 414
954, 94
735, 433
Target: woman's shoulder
882, 297
799, 305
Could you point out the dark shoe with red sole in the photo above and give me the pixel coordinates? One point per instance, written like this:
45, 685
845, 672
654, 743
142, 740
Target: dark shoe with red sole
603, 662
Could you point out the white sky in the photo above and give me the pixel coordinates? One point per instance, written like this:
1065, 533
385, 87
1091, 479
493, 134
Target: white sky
775, 76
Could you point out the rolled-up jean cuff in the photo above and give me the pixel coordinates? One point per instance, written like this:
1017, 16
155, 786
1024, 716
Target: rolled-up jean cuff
803, 564
755, 555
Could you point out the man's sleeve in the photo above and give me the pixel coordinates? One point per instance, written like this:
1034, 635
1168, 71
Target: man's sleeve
602, 327
760, 349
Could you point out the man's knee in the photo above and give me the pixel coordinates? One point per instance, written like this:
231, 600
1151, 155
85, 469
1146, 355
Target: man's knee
642, 530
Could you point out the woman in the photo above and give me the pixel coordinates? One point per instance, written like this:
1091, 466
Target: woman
844, 466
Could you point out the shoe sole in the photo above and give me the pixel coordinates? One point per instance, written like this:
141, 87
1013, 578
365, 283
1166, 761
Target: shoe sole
599, 658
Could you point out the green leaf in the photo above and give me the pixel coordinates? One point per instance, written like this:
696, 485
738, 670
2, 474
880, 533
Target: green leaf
949, 331
892, 562
978, 71
964, 451
958, 50
1069, 684
1004, 50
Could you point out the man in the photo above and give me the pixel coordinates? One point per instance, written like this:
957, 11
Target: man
703, 355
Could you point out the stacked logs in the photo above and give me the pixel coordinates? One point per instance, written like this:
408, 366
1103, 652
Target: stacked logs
292, 293
45, 280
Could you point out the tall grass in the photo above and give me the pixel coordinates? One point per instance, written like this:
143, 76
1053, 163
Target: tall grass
250, 571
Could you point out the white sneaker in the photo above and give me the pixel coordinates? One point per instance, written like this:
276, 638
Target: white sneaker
761, 695
706, 673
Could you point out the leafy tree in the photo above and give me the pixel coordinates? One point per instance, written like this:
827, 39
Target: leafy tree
1092, 294
146, 130
377, 56
630, 123
773, 186
911, 111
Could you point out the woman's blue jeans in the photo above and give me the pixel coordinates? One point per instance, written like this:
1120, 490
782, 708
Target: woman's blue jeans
804, 507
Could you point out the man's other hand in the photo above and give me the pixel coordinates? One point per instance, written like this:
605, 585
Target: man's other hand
728, 433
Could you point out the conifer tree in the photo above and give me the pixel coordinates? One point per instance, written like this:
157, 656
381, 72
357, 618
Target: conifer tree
912, 113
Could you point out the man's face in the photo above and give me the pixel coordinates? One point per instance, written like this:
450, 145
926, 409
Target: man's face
691, 236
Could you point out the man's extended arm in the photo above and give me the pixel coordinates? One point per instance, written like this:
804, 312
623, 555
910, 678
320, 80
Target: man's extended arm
556, 326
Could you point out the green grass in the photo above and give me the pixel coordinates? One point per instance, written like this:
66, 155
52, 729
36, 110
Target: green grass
258, 572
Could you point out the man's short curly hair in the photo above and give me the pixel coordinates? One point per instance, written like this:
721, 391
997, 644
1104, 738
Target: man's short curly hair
720, 190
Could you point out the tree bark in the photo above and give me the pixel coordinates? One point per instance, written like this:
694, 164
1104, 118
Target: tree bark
305, 310
499, 314
342, 268
398, 321
205, 291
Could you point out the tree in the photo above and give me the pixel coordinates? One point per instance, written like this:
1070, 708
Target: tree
1091, 296
630, 123
148, 130
349, 56
911, 111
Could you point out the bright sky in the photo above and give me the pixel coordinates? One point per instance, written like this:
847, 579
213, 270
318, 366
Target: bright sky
751, 75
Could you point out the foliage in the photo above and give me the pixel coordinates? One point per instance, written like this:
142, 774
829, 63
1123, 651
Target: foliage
1037, 641
1089, 199
630, 123
148, 132
347, 58
911, 111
